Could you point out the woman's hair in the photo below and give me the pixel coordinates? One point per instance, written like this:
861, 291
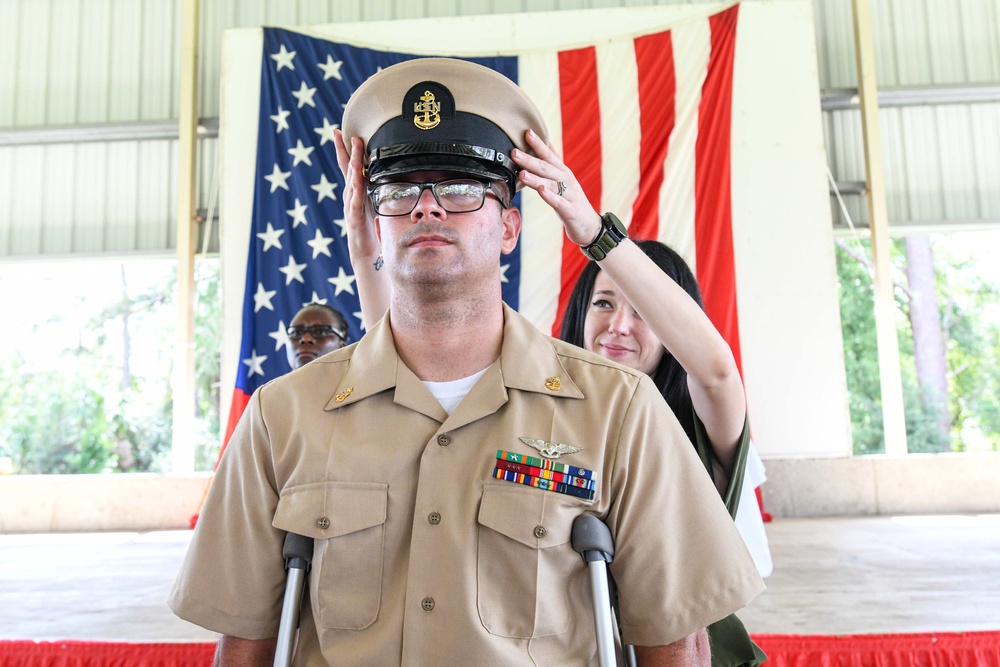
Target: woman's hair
668, 376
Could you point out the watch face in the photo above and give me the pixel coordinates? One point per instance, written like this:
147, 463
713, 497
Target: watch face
615, 227
612, 233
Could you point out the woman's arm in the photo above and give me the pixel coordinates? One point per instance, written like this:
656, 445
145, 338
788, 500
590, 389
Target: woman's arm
671, 314
685, 330
362, 233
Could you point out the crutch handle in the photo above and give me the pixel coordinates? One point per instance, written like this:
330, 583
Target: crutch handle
297, 551
592, 539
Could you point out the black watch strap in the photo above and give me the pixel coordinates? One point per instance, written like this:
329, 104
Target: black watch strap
612, 233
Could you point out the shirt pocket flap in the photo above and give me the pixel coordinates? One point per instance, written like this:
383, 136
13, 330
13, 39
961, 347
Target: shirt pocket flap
530, 518
331, 509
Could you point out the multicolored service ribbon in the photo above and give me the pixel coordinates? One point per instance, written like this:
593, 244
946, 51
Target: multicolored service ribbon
545, 475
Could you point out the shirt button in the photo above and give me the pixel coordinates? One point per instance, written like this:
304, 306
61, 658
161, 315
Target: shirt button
540, 531
323, 522
434, 518
444, 440
427, 604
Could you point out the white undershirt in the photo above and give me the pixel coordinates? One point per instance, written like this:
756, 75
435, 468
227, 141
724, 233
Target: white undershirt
450, 394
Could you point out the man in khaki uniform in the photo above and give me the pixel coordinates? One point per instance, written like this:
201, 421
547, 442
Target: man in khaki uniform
439, 463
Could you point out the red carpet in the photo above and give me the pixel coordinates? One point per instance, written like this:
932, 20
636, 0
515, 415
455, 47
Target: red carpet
951, 649
103, 654
959, 649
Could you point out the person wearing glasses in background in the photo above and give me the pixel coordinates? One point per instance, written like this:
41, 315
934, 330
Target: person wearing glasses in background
439, 463
316, 329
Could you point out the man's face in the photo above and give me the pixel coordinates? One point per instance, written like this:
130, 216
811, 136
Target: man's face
310, 346
432, 247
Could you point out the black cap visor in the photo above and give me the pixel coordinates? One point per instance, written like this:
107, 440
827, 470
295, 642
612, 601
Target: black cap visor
391, 161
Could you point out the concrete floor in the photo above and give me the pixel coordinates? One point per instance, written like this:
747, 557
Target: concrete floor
831, 576
876, 575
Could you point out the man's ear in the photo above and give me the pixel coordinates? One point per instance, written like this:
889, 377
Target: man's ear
511, 220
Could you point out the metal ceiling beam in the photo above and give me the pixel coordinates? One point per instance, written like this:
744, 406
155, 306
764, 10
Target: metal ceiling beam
838, 99
86, 133
834, 99
850, 188
899, 228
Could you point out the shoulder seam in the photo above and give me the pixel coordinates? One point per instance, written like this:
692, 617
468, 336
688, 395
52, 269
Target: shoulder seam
597, 360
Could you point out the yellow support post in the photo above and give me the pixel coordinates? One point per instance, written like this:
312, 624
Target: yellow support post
893, 419
183, 376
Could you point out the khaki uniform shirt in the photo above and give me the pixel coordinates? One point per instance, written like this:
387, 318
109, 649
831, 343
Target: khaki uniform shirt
421, 556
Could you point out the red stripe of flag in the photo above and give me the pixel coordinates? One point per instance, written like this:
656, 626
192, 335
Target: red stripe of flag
716, 265
240, 401
654, 55
236, 408
579, 104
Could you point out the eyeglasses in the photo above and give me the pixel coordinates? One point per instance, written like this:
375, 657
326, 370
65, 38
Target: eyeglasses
317, 331
459, 195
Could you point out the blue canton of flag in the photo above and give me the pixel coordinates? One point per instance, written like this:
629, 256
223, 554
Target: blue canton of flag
298, 246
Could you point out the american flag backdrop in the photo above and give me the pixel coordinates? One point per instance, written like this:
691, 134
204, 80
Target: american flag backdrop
645, 123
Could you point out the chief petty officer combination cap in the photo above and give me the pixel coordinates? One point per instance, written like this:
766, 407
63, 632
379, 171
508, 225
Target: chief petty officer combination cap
441, 114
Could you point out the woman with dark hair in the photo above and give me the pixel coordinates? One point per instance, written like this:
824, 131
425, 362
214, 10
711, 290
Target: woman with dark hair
637, 303
602, 318
668, 374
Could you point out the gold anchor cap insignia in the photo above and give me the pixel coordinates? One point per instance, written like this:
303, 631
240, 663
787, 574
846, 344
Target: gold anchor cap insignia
550, 450
427, 112
343, 395
553, 383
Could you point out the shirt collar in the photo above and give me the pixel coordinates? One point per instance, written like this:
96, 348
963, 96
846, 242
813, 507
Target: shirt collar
528, 362
371, 369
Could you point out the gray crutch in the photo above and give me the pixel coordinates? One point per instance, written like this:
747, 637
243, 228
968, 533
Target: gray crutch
592, 540
298, 551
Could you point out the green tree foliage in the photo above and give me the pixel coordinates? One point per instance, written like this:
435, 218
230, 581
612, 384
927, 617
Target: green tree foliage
971, 314
53, 424
207, 352
105, 405
857, 318
970, 307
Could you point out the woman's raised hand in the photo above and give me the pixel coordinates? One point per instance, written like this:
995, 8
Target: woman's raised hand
555, 183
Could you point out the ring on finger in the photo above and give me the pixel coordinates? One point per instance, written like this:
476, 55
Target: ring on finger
562, 188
